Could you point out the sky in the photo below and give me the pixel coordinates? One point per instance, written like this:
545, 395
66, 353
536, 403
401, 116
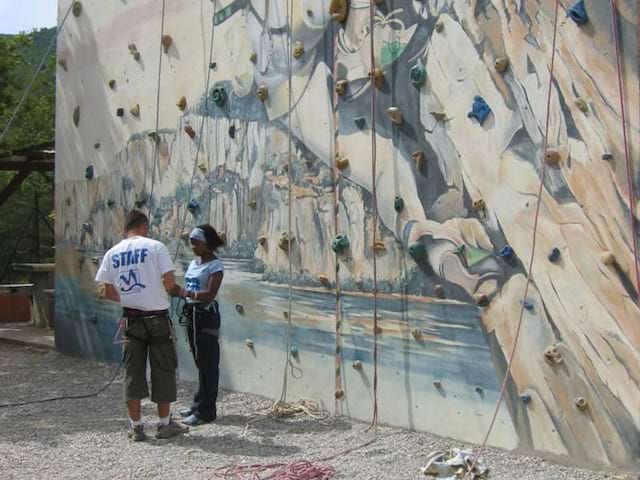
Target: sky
25, 15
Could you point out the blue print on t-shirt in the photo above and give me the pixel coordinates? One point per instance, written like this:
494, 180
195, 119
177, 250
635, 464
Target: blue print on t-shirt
130, 282
192, 283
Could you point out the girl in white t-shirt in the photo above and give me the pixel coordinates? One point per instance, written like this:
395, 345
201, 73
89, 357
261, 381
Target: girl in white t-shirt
202, 282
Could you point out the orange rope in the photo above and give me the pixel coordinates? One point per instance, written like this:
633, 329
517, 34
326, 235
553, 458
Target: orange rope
507, 374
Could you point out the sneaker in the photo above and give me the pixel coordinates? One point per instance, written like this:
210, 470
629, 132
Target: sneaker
137, 433
170, 430
186, 412
195, 421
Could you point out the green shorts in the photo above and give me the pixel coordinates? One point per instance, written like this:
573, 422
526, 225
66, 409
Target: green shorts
150, 337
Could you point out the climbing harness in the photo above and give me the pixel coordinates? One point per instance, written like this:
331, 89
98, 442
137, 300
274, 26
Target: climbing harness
543, 165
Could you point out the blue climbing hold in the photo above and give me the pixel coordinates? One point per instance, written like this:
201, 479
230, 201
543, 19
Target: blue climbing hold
578, 13
193, 206
418, 251
554, 255
607, 156
506, 252
418, 75
480, 109
111, 203
340, 243
526, 398
360, 122
528, 305
219, 96
294, 351
88, 173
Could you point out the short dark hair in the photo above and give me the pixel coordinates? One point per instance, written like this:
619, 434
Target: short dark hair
214, 241
135, 219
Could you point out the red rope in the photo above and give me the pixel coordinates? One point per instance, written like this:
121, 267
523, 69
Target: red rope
632, 221
302, 470
507, 374
374, 419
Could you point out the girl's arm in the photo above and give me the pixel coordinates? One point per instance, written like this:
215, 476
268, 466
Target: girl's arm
213, 285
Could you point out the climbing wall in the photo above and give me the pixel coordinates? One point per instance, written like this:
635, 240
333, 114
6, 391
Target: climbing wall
213, 112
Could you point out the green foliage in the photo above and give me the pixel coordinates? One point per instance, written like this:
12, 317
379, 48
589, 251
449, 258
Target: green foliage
34, 125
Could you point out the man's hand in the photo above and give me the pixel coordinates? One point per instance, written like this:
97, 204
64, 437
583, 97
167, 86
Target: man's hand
108, 292
170, 285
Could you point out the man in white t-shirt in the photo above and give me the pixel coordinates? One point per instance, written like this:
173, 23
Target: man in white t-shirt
138, 272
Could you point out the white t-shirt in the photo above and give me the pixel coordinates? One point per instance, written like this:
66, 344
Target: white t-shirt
135, 267
197, 276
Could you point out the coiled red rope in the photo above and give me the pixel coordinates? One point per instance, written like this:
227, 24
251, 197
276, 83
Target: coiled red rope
301, 470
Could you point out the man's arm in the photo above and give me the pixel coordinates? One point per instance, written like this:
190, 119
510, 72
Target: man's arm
170, 285
111, 293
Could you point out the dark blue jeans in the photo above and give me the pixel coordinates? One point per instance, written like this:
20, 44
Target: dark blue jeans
206, 353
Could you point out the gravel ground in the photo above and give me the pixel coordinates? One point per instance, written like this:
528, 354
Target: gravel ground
83, 439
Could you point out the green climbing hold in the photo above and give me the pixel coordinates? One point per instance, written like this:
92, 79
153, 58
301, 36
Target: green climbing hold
475, 255
77, 9
76, 116
219, 96
340, 243
391, 51
398, 204
418, 75
418, 251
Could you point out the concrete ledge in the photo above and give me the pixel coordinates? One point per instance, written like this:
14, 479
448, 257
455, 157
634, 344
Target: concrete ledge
27, 335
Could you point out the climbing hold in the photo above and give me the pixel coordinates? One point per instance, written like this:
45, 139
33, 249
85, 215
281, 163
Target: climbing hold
294, 351
398, 204
135, 110
153, 136
526, 398
395, 115
232, 131
481, 299
96, 145
284, 242
527, 305
88, 173
338, 10
193, 206
141, 201
608, 258
77, 8
111, 203
324, 280
202, 167
478, 389
95, 260
437, 384
262, 92
418, 251
252, 204
554, 255
112, 84
578, 13
552, 157
120, 112
167, 41
76, 116
440, 116
340, 243
63, 63
419, 158
239, 308
479, 205
262, 240
182, 103
219, 96
439, 27
360, 122
298, 50
249, 343
357, 365
213, 65
416, 333
377, 330
582, 105
553, 355
607, 156
339, 393
223, 237
501, 64
418, 75
190, 131
480, 109
253, 57
341, 87
379, 246
87, 227
581, 403
377, 77
506, 252
134, 51
342, 163
438, 290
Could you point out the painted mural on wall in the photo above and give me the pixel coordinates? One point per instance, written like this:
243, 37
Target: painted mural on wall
456, 193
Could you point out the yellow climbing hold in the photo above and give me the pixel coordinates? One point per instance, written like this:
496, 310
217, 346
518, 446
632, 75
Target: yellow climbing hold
167, 41
581, 403
395, 115
552, 355
252, 204
479, 205
581, 104
416, 333
342, 162
501, 64
298, 50
112, 84
203, 167
253, 57
377, 77
182, 103
608, 258
77, 8
439, 27
338, 10
379, 246
135, 110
